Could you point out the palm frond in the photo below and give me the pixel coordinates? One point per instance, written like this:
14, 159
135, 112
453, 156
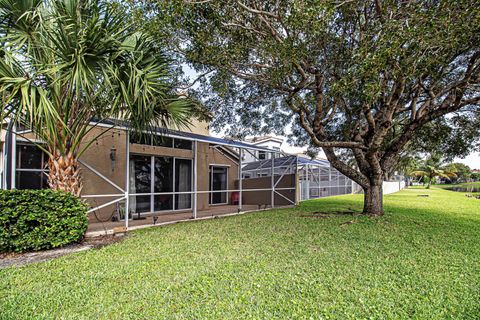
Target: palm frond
66, 61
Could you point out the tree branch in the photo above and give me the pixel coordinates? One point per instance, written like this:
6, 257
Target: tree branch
196, 80
256, 11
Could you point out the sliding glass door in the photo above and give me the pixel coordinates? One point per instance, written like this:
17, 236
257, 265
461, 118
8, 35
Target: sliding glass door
151, 174
218, 182
183, 183
163, 182
140, 182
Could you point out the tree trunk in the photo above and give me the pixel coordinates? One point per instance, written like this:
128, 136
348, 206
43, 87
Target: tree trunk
64, 174
373, 200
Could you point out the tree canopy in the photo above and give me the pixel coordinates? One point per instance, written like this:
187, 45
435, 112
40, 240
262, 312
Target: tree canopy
364, 76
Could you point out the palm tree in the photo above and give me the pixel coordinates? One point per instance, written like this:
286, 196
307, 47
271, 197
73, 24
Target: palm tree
433, 168
65, 62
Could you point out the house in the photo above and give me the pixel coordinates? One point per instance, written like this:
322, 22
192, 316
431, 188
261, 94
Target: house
269, 142
170, 175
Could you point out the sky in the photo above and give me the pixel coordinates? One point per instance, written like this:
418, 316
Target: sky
473, 160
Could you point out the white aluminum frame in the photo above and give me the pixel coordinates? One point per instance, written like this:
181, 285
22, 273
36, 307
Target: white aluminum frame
240, 178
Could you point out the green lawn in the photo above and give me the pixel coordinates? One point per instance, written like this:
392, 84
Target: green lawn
421, 260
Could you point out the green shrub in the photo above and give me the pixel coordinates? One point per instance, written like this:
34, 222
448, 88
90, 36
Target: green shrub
40, 219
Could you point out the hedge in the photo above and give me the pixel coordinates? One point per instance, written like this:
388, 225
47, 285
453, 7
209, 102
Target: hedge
40, 219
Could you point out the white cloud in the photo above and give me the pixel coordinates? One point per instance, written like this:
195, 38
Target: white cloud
473, 160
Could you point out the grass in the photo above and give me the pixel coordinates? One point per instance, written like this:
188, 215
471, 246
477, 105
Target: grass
421, 260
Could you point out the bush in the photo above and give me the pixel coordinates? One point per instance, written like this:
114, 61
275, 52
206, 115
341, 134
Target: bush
40, 219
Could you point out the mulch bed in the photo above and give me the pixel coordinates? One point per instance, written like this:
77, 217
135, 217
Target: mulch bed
20, 259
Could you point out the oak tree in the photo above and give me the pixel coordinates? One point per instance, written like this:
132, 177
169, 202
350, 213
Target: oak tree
361, 76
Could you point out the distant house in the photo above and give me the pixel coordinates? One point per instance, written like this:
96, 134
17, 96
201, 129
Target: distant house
273, 143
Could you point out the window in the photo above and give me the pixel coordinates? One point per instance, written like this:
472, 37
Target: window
31, 172
144, 139
182, 144
163, 173
262, 155
169, 175
183, 183
161, 141
140, 182
218, 182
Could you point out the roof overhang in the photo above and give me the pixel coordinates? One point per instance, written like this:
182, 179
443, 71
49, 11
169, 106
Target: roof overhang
186, 135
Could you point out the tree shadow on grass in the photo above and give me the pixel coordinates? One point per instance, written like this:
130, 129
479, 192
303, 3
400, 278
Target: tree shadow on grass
330, 214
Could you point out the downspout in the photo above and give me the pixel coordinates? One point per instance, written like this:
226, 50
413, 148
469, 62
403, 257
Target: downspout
14, 156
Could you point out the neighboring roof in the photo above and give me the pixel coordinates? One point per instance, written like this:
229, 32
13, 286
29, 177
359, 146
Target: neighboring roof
257, 140
283, 161
228, 152
277, 162
317, 162
191, 136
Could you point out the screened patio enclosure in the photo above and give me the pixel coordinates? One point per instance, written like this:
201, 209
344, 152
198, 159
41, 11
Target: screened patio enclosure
171, 175
179, 176
312, 178
209, 177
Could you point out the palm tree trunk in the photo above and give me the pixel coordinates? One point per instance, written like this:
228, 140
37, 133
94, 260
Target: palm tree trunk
64, 173
429, 182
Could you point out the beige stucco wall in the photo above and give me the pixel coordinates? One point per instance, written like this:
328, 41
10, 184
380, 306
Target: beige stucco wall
98, 156
199, 127
3, 135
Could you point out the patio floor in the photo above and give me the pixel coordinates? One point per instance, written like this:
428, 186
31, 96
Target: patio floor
101, 228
